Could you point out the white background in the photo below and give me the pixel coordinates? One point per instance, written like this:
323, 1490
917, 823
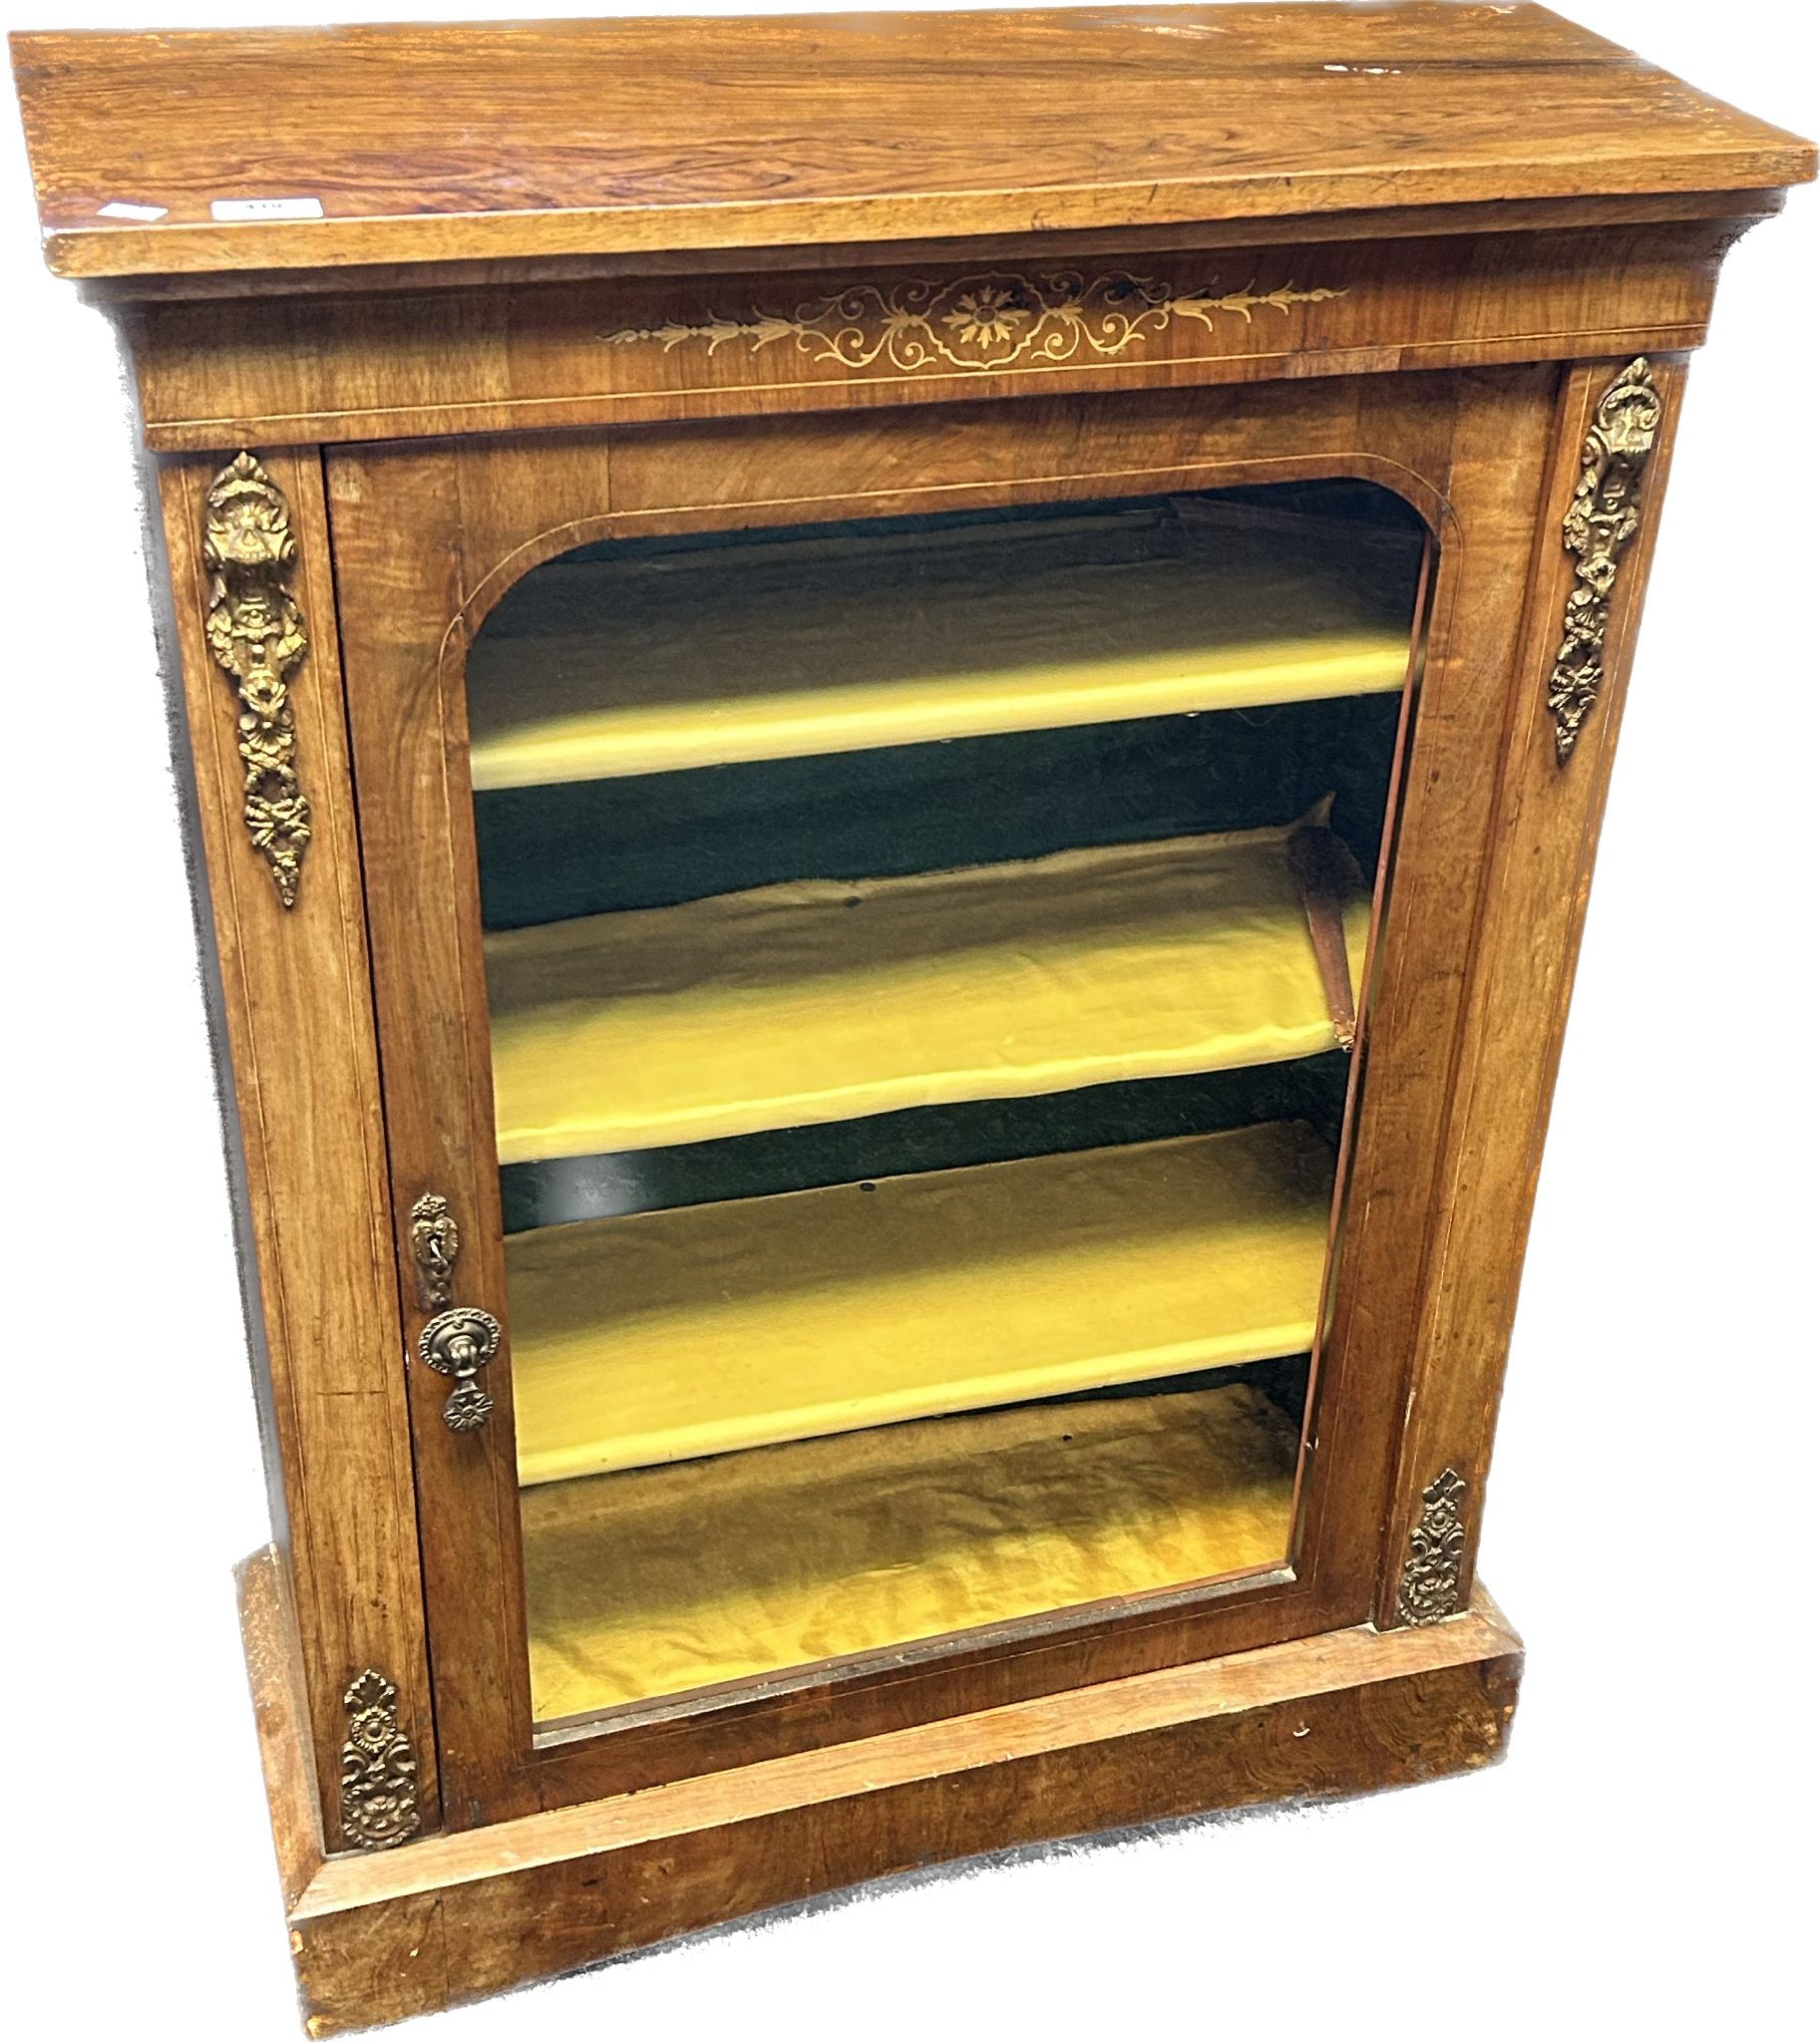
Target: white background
1641, 1865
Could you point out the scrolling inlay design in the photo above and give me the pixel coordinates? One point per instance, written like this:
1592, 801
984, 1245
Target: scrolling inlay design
1599, 523
257, 634
1433, 1574
994, 320
378, 1771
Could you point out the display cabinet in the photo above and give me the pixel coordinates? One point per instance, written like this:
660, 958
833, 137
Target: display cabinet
896, 725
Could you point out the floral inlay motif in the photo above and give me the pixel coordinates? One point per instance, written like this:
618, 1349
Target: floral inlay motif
983, 315
996, 320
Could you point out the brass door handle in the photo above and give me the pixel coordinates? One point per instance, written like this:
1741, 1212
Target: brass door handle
459, 1343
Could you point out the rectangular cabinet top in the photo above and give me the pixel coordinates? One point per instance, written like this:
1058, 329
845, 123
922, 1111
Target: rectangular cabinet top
211, 152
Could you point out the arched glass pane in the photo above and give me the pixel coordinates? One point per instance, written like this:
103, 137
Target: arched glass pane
924, 959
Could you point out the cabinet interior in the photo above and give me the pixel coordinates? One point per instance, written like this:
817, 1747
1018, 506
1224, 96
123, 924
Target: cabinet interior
925, 961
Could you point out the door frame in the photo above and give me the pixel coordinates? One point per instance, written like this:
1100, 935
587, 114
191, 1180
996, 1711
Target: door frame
427, 539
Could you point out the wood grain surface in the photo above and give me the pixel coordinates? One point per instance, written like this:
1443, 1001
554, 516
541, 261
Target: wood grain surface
427, 539
391, 365
1533, 882
425, 144
298, 1010
584, 281
450, 1919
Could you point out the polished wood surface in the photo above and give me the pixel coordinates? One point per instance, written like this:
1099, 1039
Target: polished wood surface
390, 365
585, 282
294, 1001
449, 1920
1534, 883
416, 527
561, 139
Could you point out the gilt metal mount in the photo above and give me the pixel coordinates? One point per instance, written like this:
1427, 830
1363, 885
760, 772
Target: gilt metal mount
436, 1240
461, 1339
257, 634
378, 1769
1434, 1574
459, 1343
1599, 523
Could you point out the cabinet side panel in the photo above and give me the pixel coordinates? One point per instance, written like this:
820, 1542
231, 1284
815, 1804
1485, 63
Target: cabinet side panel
298, 1010
1533, 894
276, 1436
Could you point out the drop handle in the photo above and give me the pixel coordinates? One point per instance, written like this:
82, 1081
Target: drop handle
459, 1343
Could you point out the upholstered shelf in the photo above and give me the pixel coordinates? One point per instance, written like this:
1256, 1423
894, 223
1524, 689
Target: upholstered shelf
664, 1336
826, 1000
604, 668
665, 1579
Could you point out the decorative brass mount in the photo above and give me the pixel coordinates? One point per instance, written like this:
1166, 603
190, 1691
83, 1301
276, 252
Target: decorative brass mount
1434, 1574
257, 634
436, 1240
378, 1771
462, 1339
1599, 523
459, 1343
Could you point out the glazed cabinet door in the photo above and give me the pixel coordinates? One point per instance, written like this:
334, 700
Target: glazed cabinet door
921, 966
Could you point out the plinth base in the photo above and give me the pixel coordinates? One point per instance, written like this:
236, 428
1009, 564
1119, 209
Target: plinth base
451, 1918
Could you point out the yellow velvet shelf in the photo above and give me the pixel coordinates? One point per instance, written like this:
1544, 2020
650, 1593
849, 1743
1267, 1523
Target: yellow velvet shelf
664, 1336
594, 670
824, 1000
667, 1579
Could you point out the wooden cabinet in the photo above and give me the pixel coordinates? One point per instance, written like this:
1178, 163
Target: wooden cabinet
896, 726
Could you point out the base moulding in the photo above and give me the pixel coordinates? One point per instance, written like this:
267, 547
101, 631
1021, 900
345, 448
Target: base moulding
451, 1918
